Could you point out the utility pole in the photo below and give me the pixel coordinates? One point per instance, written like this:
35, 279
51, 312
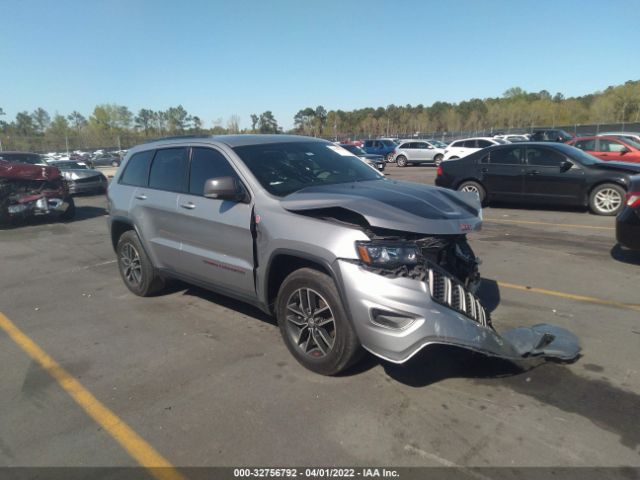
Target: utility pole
66, 142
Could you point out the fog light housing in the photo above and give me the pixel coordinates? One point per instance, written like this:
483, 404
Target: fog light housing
391, 320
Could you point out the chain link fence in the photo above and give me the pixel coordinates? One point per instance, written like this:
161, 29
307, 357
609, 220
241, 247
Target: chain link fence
575, 130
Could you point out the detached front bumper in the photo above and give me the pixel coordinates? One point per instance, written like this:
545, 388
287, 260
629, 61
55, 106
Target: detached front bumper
395, 318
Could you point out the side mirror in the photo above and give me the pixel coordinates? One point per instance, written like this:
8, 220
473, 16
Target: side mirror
224, 188
430, 147
565, 166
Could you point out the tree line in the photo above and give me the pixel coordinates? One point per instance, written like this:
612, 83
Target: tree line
112, 124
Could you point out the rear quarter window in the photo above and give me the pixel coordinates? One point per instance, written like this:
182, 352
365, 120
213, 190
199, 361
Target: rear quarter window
136, 172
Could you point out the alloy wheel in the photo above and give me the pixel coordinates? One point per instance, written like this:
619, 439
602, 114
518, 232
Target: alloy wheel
310, 322
131, 267
470, 188
608, 200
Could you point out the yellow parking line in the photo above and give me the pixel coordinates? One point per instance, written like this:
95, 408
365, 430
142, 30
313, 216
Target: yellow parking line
122, 433
571, 296
568, 225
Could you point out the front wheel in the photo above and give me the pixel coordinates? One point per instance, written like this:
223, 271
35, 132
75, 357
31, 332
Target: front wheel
314, 324
401, 161
607, 199
473, 187
135, 268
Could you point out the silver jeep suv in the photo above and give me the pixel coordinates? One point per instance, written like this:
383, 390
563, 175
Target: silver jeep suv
343, 257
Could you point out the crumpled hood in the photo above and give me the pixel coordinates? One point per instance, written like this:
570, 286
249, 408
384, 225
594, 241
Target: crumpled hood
26, 171
395, 205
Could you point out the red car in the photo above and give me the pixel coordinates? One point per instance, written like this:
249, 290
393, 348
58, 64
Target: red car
609, 148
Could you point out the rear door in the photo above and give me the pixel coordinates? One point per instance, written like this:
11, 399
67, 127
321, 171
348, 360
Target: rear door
503, 172
547, 181
217, 244
423, 153
155, 206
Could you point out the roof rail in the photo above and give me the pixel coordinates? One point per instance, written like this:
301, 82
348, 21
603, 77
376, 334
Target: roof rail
178, 137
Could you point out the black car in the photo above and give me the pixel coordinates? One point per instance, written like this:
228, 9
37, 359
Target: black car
105, 159
628, 221
552, 173
550, 135
376, 161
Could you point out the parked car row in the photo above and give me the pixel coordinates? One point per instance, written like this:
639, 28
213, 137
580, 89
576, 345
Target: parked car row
538, 172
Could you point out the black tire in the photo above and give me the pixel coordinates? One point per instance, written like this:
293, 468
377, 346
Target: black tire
471, 186
437, 160
148, 282
601, 195
311, 351
70, 213
401, 161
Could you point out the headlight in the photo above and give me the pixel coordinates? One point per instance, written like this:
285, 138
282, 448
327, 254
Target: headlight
387, 254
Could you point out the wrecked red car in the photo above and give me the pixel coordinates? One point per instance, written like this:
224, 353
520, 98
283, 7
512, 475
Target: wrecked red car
33, 190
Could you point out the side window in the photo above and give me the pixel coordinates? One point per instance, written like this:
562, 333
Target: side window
456, 144
169, 169
421, 145
484, 143
405, 145
207, 163
136, 172
470, 144
589, 145
610, 146
544, 157
368, 143
505, 156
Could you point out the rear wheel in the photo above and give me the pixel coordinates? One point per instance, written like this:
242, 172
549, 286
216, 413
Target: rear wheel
314, 324
389, 157
607, 199
473, 187
114, 164
135, 268
401, 161
438, 159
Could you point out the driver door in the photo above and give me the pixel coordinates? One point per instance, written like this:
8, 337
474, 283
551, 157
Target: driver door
217, 244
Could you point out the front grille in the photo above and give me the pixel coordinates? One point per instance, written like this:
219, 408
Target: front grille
88, 180
447, 291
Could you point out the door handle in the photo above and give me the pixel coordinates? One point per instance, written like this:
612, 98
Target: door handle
484, 170
188, 205
533, 172
142, 196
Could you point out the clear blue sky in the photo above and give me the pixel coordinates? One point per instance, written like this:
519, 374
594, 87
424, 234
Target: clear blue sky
219, 58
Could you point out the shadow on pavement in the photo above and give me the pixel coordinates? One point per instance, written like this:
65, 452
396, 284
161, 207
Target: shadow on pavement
625, 256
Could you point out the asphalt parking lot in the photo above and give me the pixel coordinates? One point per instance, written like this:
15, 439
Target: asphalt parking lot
207, 381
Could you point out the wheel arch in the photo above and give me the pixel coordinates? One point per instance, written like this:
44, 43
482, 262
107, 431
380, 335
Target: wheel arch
119, 225
598, 183
283, 262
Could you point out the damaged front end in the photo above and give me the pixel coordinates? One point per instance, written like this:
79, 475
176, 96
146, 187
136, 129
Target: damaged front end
32, 190
413, 283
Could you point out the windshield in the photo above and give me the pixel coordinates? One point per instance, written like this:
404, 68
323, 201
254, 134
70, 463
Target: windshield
284, 168
354, 149
581, 156
501, 141
632, 142
439, 144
